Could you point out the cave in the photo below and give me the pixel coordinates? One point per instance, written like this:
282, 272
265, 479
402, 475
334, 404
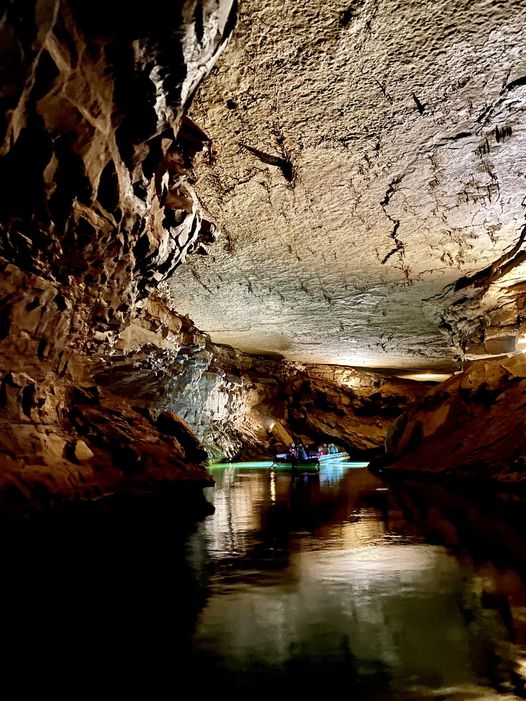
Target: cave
226, 227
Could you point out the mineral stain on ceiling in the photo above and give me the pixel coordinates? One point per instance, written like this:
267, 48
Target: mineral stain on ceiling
364, 157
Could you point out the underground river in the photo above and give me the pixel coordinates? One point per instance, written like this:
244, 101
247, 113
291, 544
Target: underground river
295, 586
339, 582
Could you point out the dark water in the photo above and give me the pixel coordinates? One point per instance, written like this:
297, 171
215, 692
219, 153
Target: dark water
295, 587
335, 583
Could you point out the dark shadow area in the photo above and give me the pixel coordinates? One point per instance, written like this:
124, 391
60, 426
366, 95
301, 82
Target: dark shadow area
99, 596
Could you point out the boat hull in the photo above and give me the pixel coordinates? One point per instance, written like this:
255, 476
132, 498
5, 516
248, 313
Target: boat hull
283, 462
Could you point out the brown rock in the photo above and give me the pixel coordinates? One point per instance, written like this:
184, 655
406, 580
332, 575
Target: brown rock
81, 451
86, 234
470, 425
173, 425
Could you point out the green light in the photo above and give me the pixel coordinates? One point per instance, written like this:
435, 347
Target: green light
223, 465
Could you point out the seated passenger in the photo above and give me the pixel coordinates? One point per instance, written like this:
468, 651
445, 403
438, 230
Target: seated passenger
302, 453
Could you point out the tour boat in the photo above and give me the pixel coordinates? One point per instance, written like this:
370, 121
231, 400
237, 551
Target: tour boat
284, 460
333, 456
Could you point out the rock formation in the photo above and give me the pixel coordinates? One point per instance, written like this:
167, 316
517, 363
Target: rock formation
96, 210
367, 179
470, 425
102, 384
231, 399
380, 224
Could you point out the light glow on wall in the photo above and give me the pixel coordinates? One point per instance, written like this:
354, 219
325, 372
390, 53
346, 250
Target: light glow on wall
426, 376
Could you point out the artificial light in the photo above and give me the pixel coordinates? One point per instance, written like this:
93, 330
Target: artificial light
426, 376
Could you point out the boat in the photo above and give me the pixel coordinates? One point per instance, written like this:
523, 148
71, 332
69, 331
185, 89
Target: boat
278, 464
312, 463
286, 460
336, 457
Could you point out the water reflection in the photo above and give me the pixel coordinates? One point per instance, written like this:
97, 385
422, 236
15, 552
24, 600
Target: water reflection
335, 581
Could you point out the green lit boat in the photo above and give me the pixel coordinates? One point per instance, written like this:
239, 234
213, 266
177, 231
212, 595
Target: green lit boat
284, 461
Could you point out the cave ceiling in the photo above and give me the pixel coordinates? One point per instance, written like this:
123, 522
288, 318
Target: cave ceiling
364, 156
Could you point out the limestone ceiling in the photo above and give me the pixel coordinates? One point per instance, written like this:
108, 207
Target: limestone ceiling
364, 156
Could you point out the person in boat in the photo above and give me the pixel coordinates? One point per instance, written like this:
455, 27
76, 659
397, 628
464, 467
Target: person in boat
293, 451
302, 453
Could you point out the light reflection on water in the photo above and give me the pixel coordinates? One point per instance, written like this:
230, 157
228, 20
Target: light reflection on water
318, 582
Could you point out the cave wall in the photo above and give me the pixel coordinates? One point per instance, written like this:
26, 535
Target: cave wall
471, 425
102, 383
231, 399
97, 209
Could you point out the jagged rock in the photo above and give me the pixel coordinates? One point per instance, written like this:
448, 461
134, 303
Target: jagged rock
173, 425
231, 399
97, 209
108, 199
470, 425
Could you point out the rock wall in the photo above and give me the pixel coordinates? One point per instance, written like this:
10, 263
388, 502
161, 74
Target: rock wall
97, 208
471, 425
348, 405
231, 399
102, 384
